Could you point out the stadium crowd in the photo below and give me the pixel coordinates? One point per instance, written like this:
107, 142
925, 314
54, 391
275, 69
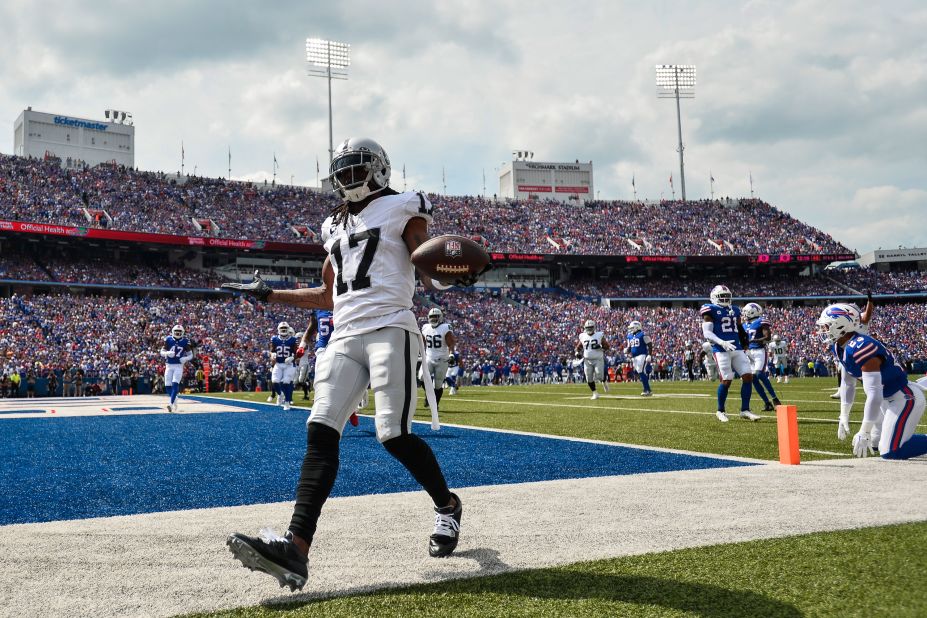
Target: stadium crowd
697, 287
103, 336
42, 191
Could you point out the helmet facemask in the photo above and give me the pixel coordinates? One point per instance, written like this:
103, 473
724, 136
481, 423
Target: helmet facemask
354, 169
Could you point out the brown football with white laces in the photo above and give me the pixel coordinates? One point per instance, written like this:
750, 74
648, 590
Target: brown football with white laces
450, 257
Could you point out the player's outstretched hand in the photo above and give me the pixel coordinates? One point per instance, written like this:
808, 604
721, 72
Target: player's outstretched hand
862, 445
843, 428
469, 280
868, 296
728, 346
257, 288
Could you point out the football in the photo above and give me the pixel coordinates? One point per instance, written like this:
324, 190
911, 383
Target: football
450, 257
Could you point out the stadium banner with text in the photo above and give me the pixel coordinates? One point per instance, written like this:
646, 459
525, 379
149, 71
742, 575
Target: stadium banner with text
48, 229
572, 189
535, 188
763, 258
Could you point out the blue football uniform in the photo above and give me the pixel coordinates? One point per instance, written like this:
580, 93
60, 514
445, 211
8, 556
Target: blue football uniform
283, 348
179, 346
725, 321
637, 344
860, 349
754, 331
325, 325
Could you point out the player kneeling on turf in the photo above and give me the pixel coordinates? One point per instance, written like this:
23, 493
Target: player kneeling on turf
886, 384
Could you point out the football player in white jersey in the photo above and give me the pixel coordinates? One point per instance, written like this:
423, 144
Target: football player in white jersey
711, 367
439, 345
779, 350
369, 280
592, 346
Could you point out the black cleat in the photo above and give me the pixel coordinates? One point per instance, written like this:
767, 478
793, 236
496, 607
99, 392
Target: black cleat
274, 555
776, 402
769, 408
447, 530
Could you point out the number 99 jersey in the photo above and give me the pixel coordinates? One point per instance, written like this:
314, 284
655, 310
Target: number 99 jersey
725, 321
374, 277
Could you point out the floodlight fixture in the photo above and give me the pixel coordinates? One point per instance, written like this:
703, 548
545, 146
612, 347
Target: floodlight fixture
677, 81
328, 59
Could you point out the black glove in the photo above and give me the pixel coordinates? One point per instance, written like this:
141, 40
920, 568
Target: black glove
469, 280
868, 296
256, 288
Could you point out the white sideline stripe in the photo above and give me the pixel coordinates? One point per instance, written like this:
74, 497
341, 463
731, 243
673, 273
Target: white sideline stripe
163, 564
107, 406
811, 450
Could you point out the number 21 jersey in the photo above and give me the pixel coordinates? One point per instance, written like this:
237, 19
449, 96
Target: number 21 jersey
374, 278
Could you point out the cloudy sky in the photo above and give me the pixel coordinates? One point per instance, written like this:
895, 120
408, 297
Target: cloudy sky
825, 103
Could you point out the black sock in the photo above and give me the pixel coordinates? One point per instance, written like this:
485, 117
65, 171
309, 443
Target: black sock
592, 386
438, 393
418, 458
320, 467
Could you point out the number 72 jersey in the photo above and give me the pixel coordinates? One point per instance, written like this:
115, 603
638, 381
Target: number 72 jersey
373, 274
725, 321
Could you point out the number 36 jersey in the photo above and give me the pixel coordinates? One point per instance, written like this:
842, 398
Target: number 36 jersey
374, 278
725, 321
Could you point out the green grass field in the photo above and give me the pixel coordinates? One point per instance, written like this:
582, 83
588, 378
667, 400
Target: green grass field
826, 574
680, 415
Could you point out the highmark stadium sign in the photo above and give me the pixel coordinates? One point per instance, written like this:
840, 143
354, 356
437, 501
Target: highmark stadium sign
83, 124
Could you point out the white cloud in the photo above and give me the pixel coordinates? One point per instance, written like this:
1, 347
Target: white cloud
826, 106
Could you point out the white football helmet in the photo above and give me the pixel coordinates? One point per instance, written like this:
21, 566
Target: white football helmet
776, 338
751, 311
283, 329
435, 316
635, 327
356, 162
291, 332
836, 321
177, 331
589, 327
721, 296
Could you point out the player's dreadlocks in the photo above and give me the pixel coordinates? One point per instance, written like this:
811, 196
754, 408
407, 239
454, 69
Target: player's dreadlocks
340, 214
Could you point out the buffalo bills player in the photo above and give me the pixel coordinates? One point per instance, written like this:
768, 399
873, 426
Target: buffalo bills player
759, 334
176, 352
888, 392
721, 326
639, 348
283, 350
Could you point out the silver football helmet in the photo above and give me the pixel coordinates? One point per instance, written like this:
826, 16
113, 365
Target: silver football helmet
589, 327
435, 316
355, 163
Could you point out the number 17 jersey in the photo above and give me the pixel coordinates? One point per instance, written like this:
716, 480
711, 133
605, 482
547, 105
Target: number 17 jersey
725, 321
374, 278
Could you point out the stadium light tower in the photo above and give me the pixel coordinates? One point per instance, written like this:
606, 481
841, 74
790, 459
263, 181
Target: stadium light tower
677, 81
331, 60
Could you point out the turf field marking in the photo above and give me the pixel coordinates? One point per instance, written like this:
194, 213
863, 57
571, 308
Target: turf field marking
618, 408
811, 450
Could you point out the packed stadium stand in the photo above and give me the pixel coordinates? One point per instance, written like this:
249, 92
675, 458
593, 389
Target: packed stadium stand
124, 199
73, 305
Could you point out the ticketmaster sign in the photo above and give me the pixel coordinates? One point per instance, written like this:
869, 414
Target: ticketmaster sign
83, 124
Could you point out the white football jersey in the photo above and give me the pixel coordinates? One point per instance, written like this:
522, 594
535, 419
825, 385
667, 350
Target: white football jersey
592, 344
779, 349
374, 278
436, 341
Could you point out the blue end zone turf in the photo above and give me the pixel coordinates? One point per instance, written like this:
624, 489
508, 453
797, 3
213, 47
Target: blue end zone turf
95, 466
